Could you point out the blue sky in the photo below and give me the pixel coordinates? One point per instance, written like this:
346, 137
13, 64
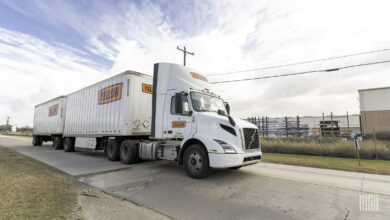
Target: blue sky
50, 48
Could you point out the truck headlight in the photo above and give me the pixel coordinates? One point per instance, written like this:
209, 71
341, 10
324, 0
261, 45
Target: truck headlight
226, 147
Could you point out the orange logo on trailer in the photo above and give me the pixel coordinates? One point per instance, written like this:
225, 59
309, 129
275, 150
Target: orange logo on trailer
198, 76
146, 88
53, 110
178, 124
110, 94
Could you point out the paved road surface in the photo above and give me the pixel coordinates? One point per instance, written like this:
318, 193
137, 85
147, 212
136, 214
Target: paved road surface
73, 163
263, 191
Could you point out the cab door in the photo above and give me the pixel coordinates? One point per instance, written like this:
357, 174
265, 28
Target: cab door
177, 124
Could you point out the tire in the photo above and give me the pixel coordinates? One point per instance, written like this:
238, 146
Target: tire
196, 162
112, 150
37, 141
57, 143
69, 144
128, 152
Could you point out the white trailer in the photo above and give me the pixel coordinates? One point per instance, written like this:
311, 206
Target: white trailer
49, 121
172, 116
120, 106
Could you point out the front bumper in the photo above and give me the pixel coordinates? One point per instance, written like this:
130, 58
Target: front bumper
234, 160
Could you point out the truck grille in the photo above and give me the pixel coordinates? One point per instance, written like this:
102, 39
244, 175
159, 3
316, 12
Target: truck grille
251, 138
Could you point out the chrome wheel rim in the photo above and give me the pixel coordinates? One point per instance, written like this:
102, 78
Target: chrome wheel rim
195, 162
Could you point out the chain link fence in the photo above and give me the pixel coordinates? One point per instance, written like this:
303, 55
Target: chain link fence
326, 135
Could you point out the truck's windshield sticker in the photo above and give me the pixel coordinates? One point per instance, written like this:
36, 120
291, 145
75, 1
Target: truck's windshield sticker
198, 76
178, 124
53, 110
110, 94
146, 88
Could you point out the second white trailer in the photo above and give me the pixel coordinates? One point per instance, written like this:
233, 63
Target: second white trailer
49, 121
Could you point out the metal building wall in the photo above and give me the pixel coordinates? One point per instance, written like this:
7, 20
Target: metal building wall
378, 121
375, 110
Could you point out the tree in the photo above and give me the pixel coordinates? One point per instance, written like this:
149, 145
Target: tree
5, 128
25, 129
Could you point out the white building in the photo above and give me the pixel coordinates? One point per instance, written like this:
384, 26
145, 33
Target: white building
375, 110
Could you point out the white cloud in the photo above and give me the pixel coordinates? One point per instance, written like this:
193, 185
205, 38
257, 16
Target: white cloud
33, 71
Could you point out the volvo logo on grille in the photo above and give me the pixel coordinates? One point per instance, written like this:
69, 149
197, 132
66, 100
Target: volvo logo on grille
252, 139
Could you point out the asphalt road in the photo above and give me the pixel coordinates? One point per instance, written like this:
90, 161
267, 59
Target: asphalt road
73, 163
262, 191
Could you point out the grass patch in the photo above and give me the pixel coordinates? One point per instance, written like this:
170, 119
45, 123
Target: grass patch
32, 190
332, 147
346, 164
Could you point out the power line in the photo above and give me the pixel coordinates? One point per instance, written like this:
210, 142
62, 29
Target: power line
299, 63
305, 72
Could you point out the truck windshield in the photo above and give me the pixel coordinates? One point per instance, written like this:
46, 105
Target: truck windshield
206, 103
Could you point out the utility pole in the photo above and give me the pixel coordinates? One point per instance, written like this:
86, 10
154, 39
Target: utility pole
8, 120
185, 52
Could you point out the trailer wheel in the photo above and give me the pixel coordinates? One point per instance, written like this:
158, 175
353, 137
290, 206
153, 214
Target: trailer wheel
68, 144
57, 143
128, 152
112, 150
196, 162
37, 141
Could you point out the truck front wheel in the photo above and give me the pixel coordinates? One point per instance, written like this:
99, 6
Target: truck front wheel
128, 152
196, 162
112, 150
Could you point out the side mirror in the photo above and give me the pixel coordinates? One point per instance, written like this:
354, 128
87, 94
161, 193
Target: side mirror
179, 103
227, 106
221, 112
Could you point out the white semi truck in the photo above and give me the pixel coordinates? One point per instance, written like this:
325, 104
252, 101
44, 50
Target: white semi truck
172, 116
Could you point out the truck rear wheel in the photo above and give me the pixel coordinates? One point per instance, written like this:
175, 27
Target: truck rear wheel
196, 162
68, 144
128, 152
57, 143
112, 150
37, 141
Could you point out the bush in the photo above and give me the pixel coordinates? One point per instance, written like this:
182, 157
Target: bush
332, 147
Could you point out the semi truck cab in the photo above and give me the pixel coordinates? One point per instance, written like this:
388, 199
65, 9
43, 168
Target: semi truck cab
186, 109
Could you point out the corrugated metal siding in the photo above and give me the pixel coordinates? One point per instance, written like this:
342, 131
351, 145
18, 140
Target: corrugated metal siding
49, 125
141, 108
86, 117
376, 120
374, 99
